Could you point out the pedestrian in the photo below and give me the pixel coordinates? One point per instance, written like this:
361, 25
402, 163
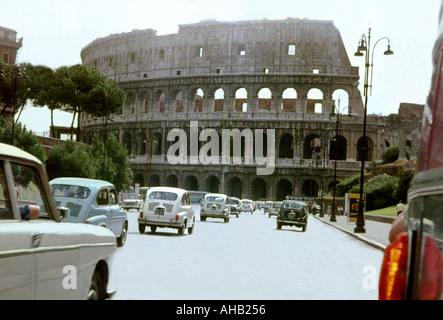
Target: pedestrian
400, 207
329, 211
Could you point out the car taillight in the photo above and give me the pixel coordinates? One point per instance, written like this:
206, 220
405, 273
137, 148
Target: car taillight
176, 217
141, 214
392, 285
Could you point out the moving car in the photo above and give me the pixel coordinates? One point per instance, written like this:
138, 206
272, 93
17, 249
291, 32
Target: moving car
215, 205
412, 267
247, 206
91, 201
234, 205
131, 201
167, 207
275, 208
41, 258
293, 213
267, 206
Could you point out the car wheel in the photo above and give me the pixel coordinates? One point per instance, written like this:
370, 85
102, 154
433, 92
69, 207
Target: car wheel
181, 230
122, 239
141, 228
191, 229
153, 228
278, 225
96, 287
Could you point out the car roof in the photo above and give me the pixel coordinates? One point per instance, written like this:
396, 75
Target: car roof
215, 194
84, 182
167, 189
12, 151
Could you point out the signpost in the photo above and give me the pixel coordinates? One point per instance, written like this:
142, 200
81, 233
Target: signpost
351, 205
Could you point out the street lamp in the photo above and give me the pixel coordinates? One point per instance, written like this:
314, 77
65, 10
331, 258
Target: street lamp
365, 46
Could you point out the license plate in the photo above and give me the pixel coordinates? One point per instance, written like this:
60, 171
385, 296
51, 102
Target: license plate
159, 211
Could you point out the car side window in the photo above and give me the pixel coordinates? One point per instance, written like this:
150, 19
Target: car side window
29, 191
102, 197
5, 201
112, 197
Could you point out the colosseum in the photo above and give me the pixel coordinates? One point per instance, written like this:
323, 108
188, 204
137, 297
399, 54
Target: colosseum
290, 79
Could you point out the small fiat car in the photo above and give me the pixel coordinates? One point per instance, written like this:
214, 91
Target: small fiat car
293, 213
215, 205
167, 207
234, 205
131, 201
40, 257
275, 208
91, 201
247, 206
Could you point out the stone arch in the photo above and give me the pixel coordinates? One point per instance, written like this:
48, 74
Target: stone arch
264, 99
235, 187
286, 148
140, 144
139, 179
310, 188
340, 101
369, 147
130, 103
212, 184
198, 95
259, 189
337, 148
219, 99
191, 183
171, 181
241, 100
289, 100
156, 144
127, 141
160, 101
154, 181
315, 101
284, 188
179, 102
311, 145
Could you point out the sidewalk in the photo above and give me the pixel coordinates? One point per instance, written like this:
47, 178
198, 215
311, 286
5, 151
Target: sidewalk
376, 235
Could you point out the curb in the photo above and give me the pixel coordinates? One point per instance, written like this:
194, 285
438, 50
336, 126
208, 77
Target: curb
370, 242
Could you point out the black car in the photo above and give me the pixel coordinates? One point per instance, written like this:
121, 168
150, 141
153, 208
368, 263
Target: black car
293, 213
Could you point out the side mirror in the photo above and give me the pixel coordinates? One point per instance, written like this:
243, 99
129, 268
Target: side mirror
62, 212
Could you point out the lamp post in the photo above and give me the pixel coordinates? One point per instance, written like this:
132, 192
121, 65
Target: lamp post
365, 46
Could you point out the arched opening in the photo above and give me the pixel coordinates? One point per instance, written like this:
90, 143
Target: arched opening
241, 100
337, 148
235, 187
198, 100
154, 181
286, 148
289, 100
264, 99
156, 144
172, 181
314, 101
284, 188
361, 147
219, 98
191, 183
139, 179
127, 141
258, 188
310, 188
311, 145
340, 101
179, 102
212, 184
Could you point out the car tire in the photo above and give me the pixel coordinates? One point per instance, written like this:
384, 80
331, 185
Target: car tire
141, 228
96, 291
191, 229
153, 228
122, 239
278, 225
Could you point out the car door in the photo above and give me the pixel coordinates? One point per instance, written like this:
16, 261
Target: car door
116, 214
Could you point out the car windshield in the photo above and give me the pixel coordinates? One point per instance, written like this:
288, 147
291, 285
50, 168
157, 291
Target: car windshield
277, 205
214, 199
293, 205
70, 191
163, 195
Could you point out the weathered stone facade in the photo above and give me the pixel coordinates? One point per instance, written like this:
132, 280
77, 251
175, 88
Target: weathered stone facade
281, 75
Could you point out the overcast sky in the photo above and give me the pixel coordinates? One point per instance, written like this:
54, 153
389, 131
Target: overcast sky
55, 31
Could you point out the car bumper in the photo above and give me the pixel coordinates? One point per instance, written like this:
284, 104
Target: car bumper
214, 215
161, 223
293, 223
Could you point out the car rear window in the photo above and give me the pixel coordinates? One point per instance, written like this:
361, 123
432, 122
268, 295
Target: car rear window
163, 195
70, 191
214, 199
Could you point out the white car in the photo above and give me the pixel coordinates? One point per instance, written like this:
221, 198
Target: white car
167, 207
41, 258
215, 205
247, 206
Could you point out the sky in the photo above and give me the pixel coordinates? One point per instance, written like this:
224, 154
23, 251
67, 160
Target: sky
55, 31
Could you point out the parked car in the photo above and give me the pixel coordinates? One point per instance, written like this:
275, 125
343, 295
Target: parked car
167, 207
91, 201
131, 201
412, 267
215, 205
234, 205
275, 208
246, 206
293, 213
39, 256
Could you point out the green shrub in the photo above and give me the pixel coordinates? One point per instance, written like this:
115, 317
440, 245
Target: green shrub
345, 185
390, 155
